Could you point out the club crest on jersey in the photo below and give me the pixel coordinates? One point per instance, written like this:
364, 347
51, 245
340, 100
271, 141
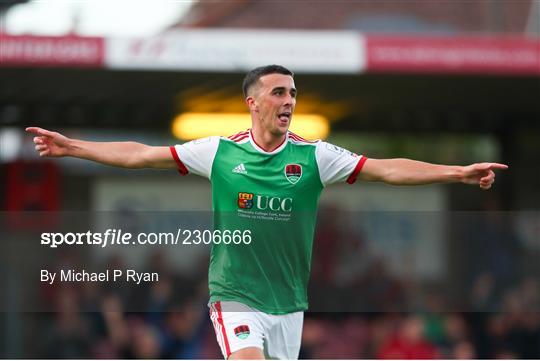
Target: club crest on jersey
293, 173
242, 332
245, 200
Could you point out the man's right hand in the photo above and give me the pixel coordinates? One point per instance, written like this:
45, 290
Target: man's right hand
117, 154
50, 144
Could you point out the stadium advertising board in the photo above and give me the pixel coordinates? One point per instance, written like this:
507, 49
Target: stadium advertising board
226, 50
460, 55
51, 51
344, 52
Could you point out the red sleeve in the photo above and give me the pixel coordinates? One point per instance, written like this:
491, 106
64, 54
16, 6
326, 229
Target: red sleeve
181, 167
357, 169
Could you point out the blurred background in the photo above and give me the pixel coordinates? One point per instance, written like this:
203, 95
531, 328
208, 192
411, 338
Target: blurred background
444, 271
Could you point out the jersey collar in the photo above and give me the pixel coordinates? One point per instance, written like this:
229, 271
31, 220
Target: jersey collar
276, 150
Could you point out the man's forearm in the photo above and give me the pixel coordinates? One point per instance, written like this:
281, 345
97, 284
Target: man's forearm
118, 154
411, 172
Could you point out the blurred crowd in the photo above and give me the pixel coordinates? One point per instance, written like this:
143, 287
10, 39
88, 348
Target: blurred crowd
468, 335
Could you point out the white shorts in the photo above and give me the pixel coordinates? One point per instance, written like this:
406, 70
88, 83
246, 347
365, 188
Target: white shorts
239, 326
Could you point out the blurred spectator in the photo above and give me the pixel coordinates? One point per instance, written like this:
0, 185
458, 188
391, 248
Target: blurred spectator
117, 332
495, 239
325, 246
483, 298
463, 350
68, 336
145, 342
185, 328
409, 342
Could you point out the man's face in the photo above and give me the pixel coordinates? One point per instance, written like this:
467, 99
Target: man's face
272, 101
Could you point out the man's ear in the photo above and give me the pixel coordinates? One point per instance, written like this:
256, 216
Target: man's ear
252, 104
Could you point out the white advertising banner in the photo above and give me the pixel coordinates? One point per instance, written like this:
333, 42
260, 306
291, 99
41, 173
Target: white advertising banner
240, 50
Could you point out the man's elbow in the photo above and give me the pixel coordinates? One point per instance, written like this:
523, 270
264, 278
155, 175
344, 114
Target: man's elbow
396, 174
138, 159
396, 178
394, 181
133, 163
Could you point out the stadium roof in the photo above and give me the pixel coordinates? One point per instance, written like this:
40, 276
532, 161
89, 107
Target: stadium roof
420, 17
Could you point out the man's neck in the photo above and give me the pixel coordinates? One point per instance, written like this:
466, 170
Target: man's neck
266, 140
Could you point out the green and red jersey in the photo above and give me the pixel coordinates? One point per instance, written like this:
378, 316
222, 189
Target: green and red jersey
274, 195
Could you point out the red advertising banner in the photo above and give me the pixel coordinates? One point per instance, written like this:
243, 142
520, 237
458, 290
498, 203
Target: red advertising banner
71, 51
372, 53
461, 55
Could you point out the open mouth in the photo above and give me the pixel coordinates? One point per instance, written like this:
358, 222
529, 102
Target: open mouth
285, 116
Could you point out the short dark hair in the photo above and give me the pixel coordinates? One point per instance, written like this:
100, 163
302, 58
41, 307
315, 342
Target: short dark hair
254, 75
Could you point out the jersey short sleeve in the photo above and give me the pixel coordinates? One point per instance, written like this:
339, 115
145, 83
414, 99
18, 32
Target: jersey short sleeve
196, 156
337, 164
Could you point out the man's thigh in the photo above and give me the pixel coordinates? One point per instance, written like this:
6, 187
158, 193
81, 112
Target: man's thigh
237, 327
285, 336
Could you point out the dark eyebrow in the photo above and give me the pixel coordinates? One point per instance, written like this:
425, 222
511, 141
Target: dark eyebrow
281, 88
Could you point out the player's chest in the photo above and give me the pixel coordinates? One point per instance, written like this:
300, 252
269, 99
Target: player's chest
290, 174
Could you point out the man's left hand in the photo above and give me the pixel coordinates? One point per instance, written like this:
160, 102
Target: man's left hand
481, 173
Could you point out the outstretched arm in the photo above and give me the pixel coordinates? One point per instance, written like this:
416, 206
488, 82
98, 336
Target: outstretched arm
412, 172
118, 154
